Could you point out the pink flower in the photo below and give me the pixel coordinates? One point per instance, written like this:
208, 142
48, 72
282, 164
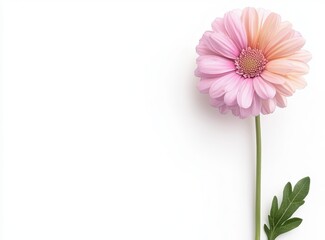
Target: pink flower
250, 62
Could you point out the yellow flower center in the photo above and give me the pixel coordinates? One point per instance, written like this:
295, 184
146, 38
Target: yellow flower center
250, 63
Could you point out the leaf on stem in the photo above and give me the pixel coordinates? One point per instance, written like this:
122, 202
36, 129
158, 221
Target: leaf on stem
279, 218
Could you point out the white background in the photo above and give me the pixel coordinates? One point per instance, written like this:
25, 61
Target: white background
106, 137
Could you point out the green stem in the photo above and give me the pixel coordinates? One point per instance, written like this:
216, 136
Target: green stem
258, 179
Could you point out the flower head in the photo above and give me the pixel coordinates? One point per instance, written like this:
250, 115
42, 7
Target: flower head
250, 62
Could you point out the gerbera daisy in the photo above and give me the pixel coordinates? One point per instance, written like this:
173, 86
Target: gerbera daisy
250, 62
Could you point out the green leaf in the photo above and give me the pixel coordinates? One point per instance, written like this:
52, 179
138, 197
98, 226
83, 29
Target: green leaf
271, 221
288, 226
266, 229
274, 207
279, 218
286, 195
287, 212
301, 189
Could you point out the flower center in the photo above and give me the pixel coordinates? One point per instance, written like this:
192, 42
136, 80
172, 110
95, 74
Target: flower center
250, 63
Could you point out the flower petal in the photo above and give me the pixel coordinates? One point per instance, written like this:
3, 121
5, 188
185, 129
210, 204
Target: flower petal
256, 105
268, 106
284, 89
296, 82
246, 93
236, 79
302, 56
235, 111
203, 47
250, 19
272, 77
281, 101
235, 30
284, 32
217, 89
285, 66
270, 26
263, 89
224, 109
223, 45
245, 112
286, 48
214, 65
216, 102
230, 97
218, 25
253, 110
205, 83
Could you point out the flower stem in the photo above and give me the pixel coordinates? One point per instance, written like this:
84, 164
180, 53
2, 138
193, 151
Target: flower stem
258, 179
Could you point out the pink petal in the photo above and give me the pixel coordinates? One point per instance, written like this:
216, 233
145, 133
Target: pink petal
296, 82
253, 110
245, 112
262, 14
284, 32
217, 89
200, 74
223, 45
250, 19
230, 98
235, 111
224, 109
263, 89
203, 47
246, 93
256, 105
205, 83
281, 101
284, 89
297, 34
286, 48
216, 102
270, 26
268, 106
285, 66
236, 79
213, 65
218, 25
235, 30
272, 77
232, 89
302, 56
